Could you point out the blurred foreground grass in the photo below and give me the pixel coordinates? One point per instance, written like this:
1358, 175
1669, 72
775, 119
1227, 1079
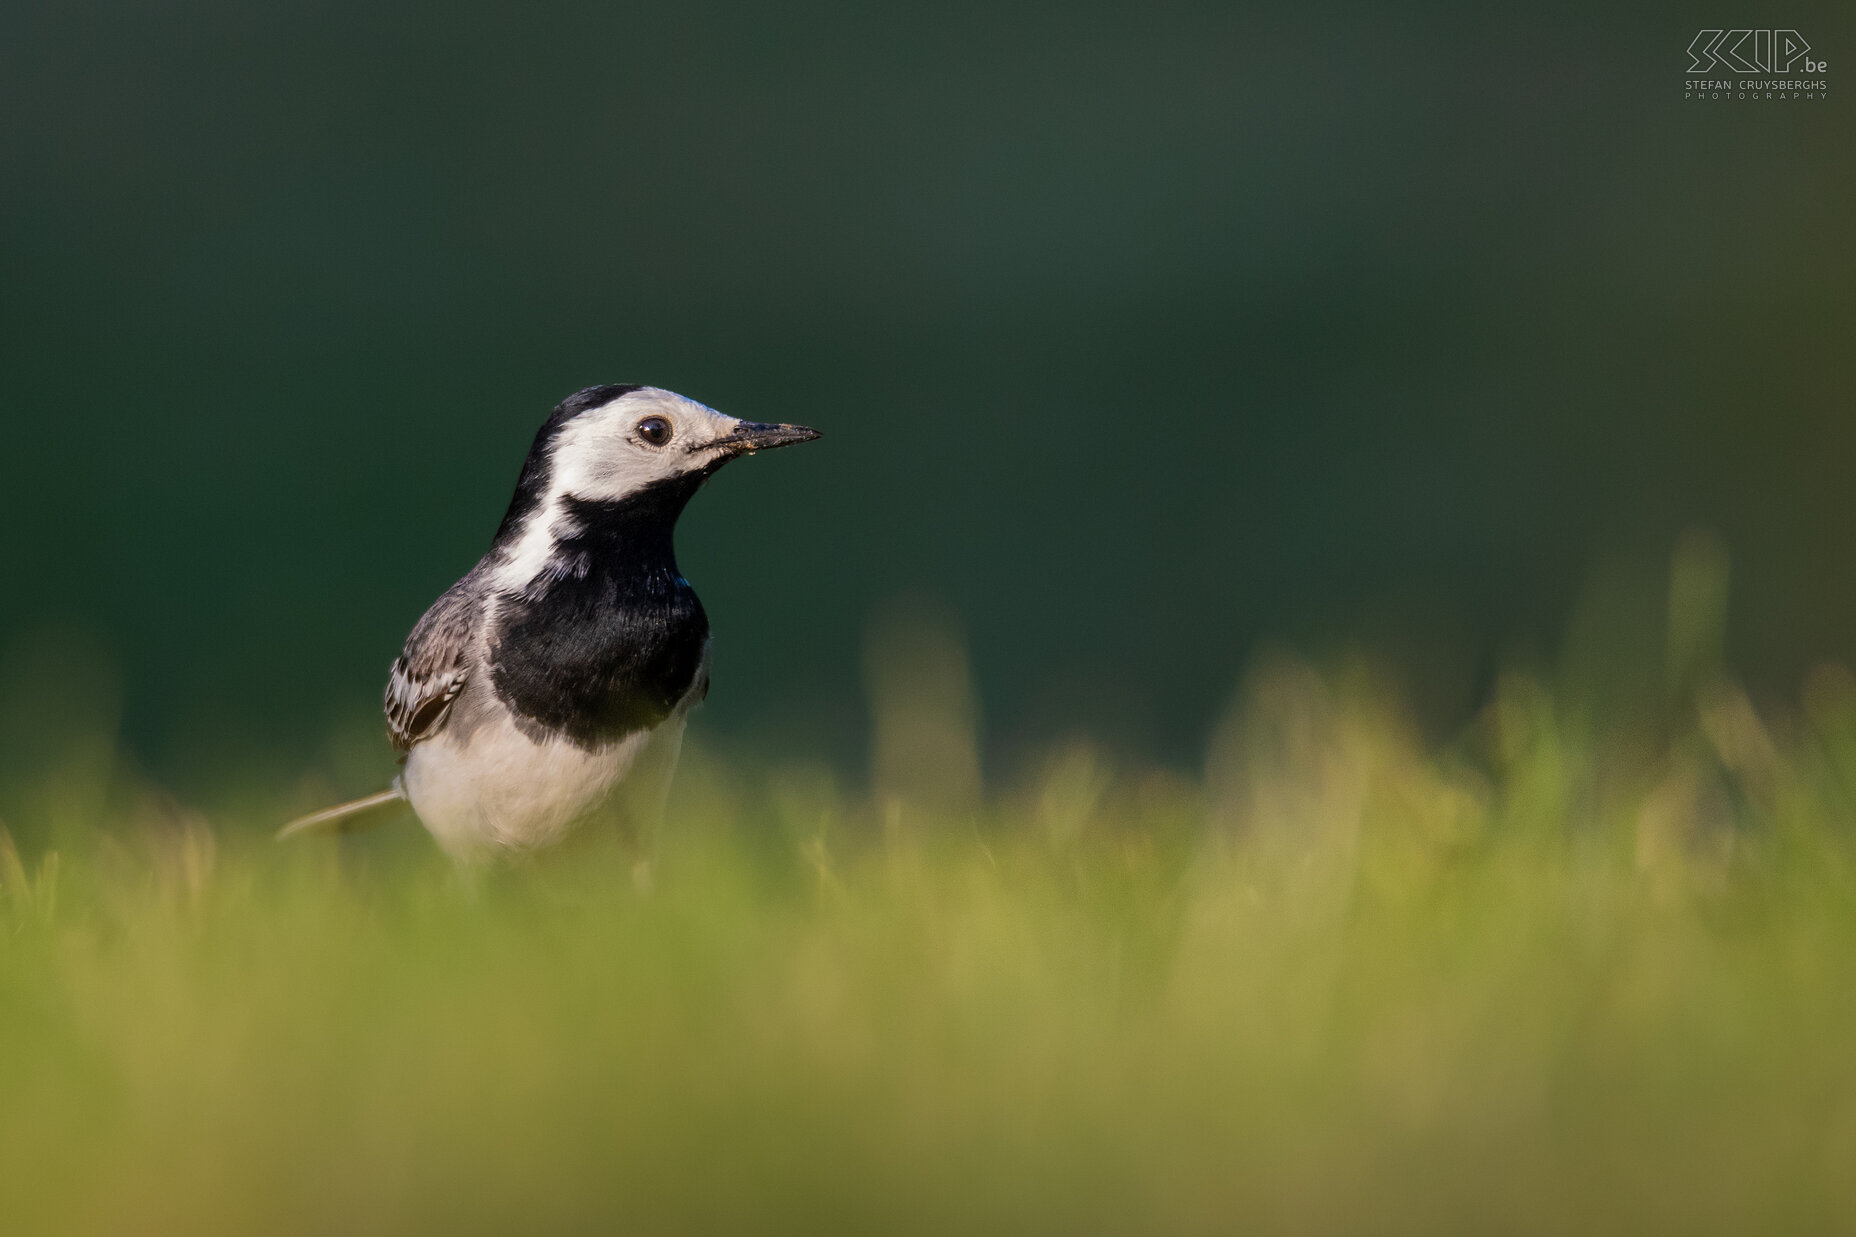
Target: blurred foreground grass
1580, 968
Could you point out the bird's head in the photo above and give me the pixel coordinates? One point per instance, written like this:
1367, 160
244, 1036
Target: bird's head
626, 445
612, 442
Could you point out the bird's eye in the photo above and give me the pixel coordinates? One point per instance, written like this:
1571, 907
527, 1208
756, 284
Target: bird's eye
654, 430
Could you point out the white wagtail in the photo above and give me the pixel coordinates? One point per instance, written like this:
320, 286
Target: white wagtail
562, 667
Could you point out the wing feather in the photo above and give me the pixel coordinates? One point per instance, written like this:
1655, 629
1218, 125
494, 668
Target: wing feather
435, 664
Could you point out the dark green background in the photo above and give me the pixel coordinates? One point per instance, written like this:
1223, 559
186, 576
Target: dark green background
1138, 334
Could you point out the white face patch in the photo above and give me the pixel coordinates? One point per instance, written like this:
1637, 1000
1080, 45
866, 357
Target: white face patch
607, 453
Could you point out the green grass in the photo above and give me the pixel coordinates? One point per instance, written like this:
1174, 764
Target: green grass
1548, 977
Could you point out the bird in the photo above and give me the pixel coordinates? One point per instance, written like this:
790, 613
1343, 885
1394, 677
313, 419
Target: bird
561, 669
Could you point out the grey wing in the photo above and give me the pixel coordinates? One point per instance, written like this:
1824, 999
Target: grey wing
433, 667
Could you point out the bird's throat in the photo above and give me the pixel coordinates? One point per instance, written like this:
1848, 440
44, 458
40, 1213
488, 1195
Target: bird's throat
608, 636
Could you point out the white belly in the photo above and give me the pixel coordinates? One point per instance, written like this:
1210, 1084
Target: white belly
498, 792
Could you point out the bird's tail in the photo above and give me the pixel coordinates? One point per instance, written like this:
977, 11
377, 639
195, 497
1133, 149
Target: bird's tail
342, 817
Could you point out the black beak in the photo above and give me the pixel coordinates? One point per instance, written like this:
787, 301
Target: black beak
751, 436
